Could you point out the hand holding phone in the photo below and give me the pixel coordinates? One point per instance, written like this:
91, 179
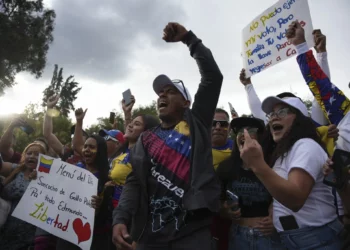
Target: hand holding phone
127, 97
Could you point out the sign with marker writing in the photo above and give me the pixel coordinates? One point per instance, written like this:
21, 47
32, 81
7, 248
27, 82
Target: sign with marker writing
264, 39
59, 201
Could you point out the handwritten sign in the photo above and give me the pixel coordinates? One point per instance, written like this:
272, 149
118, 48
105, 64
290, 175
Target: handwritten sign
59, 201
264, 39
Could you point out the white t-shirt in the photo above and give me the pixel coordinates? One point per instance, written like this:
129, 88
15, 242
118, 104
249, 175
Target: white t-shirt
319, 207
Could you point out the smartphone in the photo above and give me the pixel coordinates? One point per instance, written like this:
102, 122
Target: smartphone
232, 109
111, 117
232, 199
288, 222
27, 129
341, 166
127, 97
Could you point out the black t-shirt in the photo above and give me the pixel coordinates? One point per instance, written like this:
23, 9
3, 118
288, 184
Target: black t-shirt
169, 150
254, 199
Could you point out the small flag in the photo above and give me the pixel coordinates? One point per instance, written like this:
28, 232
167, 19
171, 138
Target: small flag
45, 165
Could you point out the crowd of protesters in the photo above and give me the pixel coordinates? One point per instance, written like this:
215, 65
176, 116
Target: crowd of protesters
178, 181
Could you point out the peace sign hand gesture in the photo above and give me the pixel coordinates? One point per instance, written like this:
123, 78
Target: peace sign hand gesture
251, 153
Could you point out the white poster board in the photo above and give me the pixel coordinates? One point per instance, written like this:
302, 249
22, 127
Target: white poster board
264, 41
59, 201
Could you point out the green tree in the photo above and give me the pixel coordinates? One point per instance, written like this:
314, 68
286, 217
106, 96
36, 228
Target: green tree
67, 89
150, 109
103, 123
26, 32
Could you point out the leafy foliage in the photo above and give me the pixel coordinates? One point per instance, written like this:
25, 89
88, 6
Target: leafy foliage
26, 32
68, 91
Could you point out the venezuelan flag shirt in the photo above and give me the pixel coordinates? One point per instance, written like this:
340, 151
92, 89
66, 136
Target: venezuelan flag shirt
121, 168
169, 150
221, 153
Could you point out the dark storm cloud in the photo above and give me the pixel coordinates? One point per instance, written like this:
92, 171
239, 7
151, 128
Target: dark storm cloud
96, 38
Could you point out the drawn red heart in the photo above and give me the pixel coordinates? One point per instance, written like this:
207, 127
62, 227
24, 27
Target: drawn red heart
82, 231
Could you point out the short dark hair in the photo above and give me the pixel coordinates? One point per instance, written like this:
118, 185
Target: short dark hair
222, 111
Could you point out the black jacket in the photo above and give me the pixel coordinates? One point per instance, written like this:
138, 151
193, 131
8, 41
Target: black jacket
204, 191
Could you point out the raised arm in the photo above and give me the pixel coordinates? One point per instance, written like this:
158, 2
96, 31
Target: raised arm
6, 142
78, 139
253, 99
320, 46
332, 100
127, 112
208, 92
52, 140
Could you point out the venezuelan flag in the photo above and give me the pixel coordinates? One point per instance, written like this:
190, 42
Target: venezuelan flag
45, 165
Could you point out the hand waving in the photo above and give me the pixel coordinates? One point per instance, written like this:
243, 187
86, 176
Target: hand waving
80, 114
295, 33
174, 32
244, 80
251, 153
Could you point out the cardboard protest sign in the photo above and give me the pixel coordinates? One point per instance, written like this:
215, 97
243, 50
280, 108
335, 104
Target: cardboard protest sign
59, 201
264, 41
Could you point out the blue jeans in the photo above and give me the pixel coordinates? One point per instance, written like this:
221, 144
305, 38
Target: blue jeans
326, 237
245, 238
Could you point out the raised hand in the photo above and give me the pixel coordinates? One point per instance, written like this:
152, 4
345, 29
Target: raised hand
174, 32
251, 153
18, 122
320, 41
295, 33
80, 114
52, 101
244, 80
128, 108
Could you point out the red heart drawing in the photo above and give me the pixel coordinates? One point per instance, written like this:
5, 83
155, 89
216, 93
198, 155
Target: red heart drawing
82, 231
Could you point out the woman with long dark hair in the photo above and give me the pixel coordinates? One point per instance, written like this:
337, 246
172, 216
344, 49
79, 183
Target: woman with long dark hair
252, 226
96, 161
17, 234
121, 165
303, 210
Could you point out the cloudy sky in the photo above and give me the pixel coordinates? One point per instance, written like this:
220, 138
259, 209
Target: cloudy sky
112, 45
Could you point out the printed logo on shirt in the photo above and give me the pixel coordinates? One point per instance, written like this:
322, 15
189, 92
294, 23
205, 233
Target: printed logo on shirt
164, 211
167, 183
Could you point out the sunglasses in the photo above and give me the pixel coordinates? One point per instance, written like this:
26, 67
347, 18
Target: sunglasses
223, 124
183, 86
110, 138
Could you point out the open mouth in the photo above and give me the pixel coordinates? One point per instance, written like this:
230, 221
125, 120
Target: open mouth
277, 127
162, 104
32, 161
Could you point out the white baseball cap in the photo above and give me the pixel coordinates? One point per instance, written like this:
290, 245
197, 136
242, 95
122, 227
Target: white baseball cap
162, 80
268, 104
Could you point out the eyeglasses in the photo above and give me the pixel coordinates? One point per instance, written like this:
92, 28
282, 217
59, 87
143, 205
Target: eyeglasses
251, 131
279, 114
223, 124
110, 138
183, 86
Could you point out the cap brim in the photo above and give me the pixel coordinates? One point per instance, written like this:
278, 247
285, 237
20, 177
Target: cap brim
160, 82
242, 122
268, 104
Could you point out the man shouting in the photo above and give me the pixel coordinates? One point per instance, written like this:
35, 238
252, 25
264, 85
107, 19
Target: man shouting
170, 196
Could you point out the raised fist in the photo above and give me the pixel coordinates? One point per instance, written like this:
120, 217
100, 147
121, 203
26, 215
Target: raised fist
52, 101
320, 41
295, 33
174, 32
